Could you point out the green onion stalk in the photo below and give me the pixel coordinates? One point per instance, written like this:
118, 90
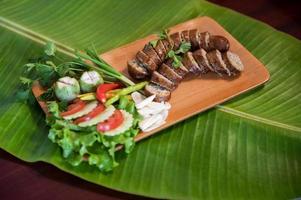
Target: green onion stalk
103, 67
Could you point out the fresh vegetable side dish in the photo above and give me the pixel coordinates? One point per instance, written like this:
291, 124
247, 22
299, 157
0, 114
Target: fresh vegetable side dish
92, 109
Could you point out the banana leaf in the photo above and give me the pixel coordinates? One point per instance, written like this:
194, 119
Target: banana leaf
249, 147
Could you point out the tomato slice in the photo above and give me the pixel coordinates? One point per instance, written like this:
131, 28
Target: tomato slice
113, 122
96, 111
74, 108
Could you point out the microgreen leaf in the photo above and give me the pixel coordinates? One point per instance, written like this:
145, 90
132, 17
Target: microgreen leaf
176, 58
184, 47
174, 55
161, 36
154, 43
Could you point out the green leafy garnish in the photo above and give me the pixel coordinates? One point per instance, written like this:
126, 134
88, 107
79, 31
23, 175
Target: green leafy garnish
175, 55
161, 36
176, 58
184, 47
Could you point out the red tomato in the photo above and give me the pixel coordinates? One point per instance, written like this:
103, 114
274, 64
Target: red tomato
74, 108
113, 122
96, 111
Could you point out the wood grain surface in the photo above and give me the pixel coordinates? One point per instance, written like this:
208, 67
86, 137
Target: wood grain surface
21, 180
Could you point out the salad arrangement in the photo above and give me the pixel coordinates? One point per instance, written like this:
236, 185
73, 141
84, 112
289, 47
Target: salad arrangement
92, 109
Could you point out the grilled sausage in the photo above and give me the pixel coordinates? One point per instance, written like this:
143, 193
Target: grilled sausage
137, 71
204, 40
233, 62
194, 38
176, 38
182, 71
185, 36
152, 54
161, 80
169, 73
146, 62
161, 93
217, 63
201, 59
160, 49
218, 42
168, 44
190, 64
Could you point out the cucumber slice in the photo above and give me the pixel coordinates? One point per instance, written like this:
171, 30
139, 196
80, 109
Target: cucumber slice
108, 112
88, 108
126, 124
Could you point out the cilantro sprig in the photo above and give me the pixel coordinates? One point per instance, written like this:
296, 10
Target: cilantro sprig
161, 36
176, 55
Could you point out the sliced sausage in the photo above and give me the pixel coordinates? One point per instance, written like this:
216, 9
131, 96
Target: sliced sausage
160, 49
176, 38
169, 73
137, 71
182, 71
185, 36
204, 40
194, 38
146, 62
161, 93
161, 80
217, 63
201, 58
168, 44
218, 42
233, 62
190, 64
152, 54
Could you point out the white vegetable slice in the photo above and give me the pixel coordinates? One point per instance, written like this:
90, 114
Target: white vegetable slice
145, 102
164, 114
145, 112
88, 108
152, 108
154, 126
108, 112
137, 97
167, 105
126, 124
149, 121
156, 107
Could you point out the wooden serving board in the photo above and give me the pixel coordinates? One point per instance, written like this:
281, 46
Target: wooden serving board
194, 95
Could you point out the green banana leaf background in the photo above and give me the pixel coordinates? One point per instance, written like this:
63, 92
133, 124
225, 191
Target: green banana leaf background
249, 147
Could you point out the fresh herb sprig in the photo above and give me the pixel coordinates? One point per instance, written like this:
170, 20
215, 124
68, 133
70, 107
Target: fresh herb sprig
176, 55
161, 36
45, 70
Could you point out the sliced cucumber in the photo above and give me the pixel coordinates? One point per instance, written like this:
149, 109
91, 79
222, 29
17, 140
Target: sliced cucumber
88, 108
126, 124
108, 112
